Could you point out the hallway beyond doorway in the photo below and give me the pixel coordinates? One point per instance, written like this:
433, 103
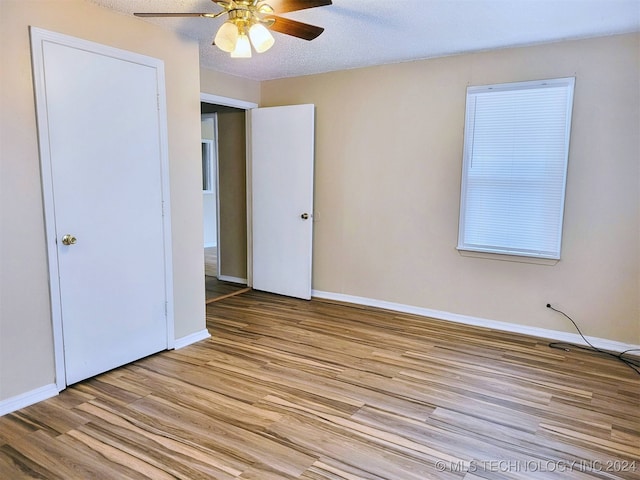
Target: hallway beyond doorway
217, 289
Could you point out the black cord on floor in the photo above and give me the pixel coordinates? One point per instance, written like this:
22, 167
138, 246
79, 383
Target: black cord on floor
632, 363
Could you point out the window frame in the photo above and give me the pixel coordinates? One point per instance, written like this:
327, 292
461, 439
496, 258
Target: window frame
469, 130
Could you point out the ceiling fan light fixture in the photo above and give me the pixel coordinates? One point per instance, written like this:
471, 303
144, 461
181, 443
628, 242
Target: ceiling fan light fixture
227, 37
243, 47
249, 23
261, 37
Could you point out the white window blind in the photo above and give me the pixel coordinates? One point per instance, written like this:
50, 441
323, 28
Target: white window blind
514, 167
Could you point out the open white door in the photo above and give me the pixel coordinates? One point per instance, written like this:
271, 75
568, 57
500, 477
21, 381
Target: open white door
104, 169
282, 153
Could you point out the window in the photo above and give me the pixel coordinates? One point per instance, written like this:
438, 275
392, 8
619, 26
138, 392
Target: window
516, 145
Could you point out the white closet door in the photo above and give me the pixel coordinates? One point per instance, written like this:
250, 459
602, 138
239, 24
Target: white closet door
102, 145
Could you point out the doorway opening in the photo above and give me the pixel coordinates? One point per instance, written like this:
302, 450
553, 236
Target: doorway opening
276, 167
224, 197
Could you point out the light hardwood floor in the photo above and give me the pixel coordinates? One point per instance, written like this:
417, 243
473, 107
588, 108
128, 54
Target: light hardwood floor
288, 389
217, 289
211, 261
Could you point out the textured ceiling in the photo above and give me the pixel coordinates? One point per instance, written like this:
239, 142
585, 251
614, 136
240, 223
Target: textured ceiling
362, 33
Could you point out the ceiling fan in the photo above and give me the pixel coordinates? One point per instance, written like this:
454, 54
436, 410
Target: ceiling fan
249, 22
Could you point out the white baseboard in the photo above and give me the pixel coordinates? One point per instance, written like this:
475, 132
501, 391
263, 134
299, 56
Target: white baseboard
34, 396
189, 339
28, 398
226, 278
601, 343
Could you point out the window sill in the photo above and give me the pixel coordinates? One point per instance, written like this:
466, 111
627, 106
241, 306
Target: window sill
508, 258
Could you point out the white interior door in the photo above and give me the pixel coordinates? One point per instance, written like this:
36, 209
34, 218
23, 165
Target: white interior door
282, 153
103, 153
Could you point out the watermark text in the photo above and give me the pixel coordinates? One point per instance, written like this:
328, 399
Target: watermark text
516, 466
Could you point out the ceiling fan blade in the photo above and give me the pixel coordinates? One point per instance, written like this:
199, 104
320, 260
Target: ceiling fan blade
206, 15
295, 28
284, 6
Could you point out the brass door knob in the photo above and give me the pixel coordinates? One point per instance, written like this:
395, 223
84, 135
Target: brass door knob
69, 239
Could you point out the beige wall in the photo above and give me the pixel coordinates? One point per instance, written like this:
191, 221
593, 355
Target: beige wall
389, 148
237, 88
388, 165
26, 346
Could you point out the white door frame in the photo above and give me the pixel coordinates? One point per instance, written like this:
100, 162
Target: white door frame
215, 180
246, 106
38, 38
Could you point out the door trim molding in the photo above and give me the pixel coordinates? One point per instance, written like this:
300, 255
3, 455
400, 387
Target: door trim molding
216, 182
246, 106
39, 37
227, 101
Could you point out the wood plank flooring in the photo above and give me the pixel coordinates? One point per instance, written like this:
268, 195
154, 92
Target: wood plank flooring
289, 389
211, 261
217, 289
